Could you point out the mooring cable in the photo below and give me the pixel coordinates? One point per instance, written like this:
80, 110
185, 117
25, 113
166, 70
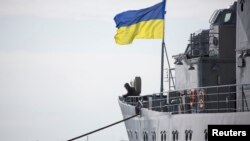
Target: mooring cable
102, 128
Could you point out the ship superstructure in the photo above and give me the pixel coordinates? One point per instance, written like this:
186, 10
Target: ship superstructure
212, 85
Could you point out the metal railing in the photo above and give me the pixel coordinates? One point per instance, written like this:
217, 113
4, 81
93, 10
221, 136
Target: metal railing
212, 99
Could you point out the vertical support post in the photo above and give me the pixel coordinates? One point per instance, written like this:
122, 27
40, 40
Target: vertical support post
162, 49
205, 100
162, 66
229, 99
162, 55
242, 98
218, 99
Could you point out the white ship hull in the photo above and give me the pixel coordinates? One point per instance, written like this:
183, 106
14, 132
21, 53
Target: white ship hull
153, 122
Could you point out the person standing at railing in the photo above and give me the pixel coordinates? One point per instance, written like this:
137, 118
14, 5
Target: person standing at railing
130, 91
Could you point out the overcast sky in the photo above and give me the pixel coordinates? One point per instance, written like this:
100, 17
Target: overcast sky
61, 71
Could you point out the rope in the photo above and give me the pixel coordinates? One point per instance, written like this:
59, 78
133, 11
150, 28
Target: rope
102, 128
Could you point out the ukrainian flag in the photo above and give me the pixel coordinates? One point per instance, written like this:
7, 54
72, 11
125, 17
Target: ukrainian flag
146, 23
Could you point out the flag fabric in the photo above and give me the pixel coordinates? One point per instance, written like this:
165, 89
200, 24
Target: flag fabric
146, 23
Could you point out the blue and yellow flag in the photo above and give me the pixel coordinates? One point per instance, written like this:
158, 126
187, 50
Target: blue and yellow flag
146, 23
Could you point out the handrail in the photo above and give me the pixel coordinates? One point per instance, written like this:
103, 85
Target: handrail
212, 98
179, 90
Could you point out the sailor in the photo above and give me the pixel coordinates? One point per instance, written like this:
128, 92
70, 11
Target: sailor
130, 90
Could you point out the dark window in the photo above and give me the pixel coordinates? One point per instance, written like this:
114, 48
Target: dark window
163, 135
206, 134
145, 136
242, 5
188, 135
153, 136
136, 135
131, 134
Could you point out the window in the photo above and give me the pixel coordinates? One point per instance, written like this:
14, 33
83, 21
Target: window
146, 139
130, 134
136, 135
163, 136
188, 134
153, 136
175, 135
206, 134
145, 136
227, 17
242, 5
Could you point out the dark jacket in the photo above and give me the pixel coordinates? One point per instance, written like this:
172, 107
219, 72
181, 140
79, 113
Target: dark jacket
130, 91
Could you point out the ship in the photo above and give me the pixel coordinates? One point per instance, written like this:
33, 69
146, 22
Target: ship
209, 85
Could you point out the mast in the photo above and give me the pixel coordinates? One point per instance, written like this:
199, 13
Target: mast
162, 50
162, 65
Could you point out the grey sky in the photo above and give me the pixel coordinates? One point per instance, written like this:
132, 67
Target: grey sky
61, 71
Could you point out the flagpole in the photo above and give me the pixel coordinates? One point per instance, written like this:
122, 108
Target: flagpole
162, 53
162, 65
